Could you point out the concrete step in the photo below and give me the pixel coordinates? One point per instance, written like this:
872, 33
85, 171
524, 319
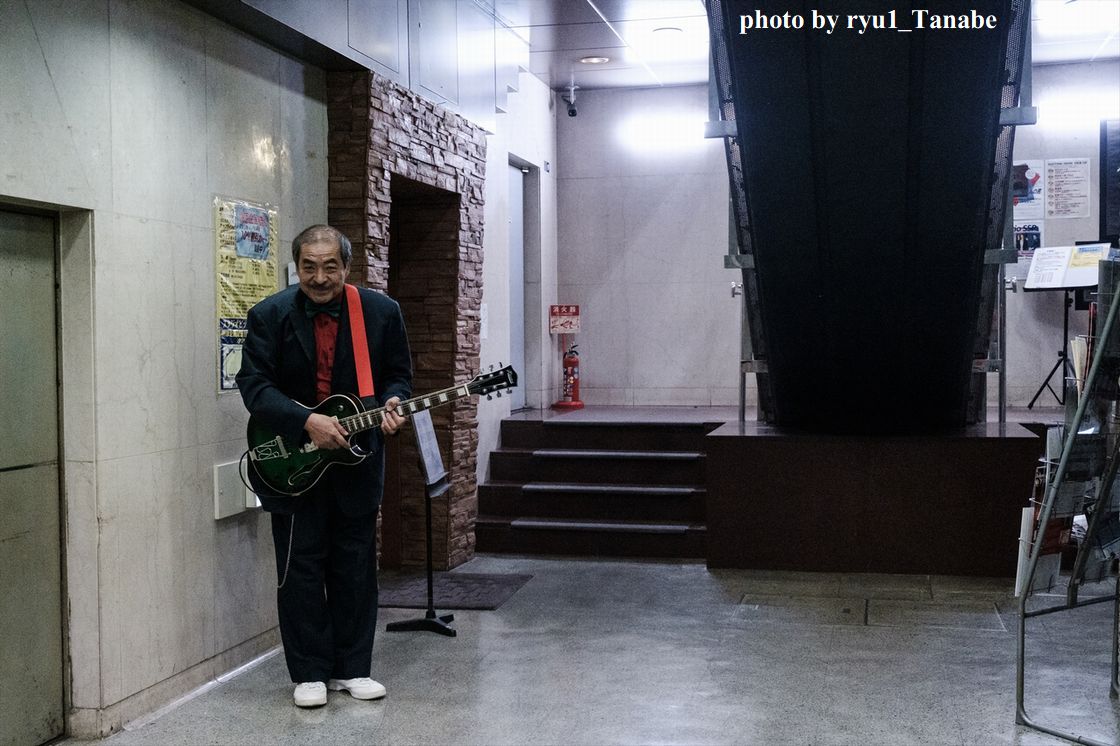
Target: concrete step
597, 466
590, 538
604, 454
561, 433
612, 489
593, 501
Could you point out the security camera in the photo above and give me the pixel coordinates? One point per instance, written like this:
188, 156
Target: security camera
570, 99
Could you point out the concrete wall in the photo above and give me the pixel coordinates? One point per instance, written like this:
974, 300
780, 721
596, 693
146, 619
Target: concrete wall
1071, 100
643, 229
128, 116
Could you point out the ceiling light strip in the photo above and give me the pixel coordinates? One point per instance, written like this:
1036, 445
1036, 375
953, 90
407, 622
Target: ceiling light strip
614, 31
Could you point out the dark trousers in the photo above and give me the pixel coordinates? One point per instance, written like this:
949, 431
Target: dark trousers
328, 595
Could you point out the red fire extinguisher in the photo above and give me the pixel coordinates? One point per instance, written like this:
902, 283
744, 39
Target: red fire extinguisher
569, 398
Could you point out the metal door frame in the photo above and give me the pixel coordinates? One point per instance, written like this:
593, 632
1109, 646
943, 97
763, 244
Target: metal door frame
517, 259
20, 208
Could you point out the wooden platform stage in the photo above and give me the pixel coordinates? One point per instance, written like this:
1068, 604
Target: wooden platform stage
946, 504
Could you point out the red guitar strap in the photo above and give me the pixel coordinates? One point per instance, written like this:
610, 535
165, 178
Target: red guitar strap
360, 342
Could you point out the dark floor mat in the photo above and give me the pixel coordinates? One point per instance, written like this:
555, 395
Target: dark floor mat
452, 590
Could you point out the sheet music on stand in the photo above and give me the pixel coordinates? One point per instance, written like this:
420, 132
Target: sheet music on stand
430, 459
1065, 267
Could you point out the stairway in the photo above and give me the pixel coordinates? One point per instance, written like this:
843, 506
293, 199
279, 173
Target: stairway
592, 488
873, 153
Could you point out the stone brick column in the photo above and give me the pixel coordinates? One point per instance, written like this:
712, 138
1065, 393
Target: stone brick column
378, 130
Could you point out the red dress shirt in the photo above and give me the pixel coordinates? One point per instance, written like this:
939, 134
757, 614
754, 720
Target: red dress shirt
326, 333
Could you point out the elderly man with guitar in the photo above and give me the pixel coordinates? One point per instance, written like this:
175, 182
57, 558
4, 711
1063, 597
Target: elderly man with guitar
316, 344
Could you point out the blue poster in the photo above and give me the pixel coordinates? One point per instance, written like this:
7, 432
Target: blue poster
251, 232
233, 331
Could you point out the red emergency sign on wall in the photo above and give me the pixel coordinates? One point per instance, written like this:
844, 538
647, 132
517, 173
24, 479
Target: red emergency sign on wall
563, 319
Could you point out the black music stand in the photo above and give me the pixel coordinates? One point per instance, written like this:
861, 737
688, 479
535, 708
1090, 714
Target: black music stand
1063, 363
436, 482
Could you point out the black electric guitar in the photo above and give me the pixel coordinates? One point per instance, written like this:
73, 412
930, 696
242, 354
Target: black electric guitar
281, 467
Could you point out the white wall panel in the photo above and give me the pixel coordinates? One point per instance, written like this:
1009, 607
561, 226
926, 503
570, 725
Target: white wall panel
477, 60
434, 50
379, 30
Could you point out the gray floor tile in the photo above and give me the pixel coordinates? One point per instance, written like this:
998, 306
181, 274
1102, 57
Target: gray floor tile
973, 615
801, 610
621, 652
903, 587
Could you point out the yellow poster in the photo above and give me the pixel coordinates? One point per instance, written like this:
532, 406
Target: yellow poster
245, 239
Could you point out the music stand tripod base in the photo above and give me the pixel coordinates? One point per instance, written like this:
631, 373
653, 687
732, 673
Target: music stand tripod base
430, 623
1064, 364
436, 483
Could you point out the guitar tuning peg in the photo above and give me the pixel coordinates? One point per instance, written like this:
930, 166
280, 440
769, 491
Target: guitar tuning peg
491, 368
499, 394
489, 397
499, 363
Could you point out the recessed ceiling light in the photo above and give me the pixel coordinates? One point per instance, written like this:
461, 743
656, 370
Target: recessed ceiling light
668, 29
594, 60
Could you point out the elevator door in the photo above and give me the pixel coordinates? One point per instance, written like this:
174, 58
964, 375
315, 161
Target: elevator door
31, 706
517, 282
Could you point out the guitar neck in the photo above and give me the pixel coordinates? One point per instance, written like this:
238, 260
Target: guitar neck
372, 418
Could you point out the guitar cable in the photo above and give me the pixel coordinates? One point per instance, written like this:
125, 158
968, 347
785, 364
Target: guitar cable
292, 530
242, 471
288, 557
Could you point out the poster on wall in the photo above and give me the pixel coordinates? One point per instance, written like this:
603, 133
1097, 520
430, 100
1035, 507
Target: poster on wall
245, 241
1028, 239
1067, 191
1028, 187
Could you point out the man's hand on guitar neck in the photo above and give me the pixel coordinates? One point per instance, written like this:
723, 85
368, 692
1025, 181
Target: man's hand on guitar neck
326, 432
392, 421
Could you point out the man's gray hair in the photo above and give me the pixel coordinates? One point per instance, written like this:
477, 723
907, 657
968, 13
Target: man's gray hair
322, 233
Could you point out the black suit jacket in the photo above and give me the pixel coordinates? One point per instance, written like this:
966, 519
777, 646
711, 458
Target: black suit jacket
278, 370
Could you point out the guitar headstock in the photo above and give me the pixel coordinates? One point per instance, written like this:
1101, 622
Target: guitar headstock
495, 380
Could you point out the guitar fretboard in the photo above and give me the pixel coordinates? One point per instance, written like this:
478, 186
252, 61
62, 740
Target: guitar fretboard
372, 418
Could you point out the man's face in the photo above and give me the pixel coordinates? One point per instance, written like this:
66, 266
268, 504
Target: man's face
321, 271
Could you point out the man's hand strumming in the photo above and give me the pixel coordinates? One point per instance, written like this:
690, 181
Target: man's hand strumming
325, 431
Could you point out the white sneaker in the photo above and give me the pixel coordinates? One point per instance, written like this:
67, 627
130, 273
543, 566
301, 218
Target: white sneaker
362, 688
310, 694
